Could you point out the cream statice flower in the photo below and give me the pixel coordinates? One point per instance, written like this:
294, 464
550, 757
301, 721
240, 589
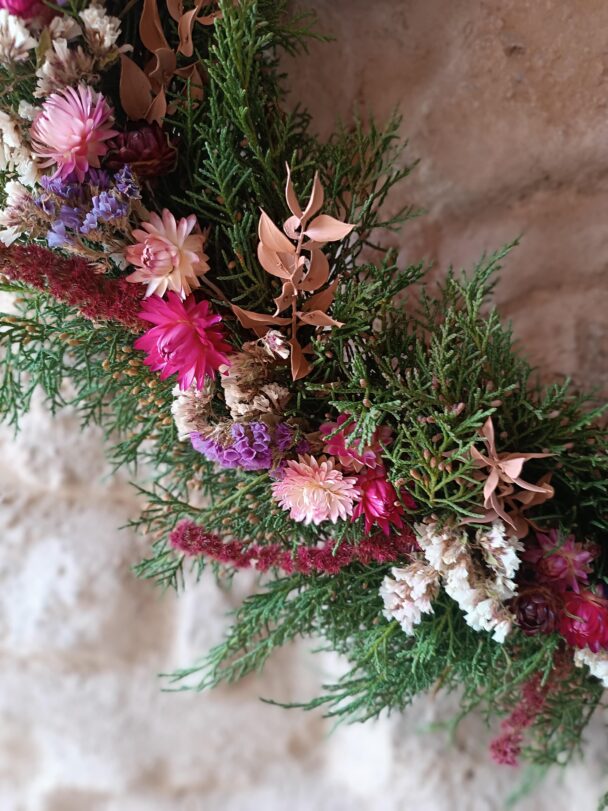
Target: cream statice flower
409, 594
481, 596
63, 66
190, 408
167, 255
64, 27
15, 154
596, 662
249, 390
100, 28
315, 491
16, 42
13, 218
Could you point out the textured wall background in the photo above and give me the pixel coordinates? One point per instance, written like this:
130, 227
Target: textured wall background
505, 104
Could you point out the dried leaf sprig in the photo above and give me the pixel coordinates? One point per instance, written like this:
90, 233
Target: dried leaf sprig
143, 92
506, 494
295, 255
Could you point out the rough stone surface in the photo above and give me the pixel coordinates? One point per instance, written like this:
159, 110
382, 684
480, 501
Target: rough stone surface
505, 105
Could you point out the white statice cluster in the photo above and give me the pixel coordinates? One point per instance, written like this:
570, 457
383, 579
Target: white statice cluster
12, 217
248, 389
190, 409
16, 41
408, 593
596, 662
480, 589
66, 62
15, 153
101, 30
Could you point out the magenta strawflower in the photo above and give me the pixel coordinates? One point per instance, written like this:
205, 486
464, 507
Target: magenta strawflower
315, 491
348, 455
71, 129
584, 621
563, 563
186, 339
25, 8
167, 255
379, 503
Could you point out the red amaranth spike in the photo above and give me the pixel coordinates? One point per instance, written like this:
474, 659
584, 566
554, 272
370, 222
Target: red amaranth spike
193, 540
73, 281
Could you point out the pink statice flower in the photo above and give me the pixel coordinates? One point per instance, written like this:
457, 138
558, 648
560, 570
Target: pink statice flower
379, 503
349, 455
71, 129
562, 563
315, 491
167, 255
186, 339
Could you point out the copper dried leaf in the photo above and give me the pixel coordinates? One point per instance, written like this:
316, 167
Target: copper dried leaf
292, 226
327, 229
176, 9
185, 26
192, 74
290, 196
150, 27
318, 272
135, 89
317, 318
323, 300
271, 262
163, 70
251, 320
317, 198
272, 237
286, 299
209, 19
300, 367
158, 109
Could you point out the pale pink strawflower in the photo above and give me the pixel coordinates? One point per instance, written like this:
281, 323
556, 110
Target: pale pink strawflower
167, 255
186, 339
315, 491
70, 131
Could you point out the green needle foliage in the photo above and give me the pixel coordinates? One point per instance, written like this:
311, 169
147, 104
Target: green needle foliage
431, 365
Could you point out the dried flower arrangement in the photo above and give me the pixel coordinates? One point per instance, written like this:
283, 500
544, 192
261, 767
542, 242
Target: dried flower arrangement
406, 488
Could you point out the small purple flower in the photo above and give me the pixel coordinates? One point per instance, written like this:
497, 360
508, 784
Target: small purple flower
98, 178
70, 217
106, 207
57, 236
283, 436
46, 204
126, 183
89, 223
67, 187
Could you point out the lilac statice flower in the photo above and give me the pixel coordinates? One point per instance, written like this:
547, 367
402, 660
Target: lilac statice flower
283, 436
253, 447
98, 179
67, 187
107, 207
126, 183
57, 237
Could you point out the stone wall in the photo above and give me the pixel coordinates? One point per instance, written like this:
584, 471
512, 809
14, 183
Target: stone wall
505, 105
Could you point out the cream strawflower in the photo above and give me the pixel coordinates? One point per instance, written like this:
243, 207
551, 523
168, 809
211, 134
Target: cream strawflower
314, 491
15, 40
167, 255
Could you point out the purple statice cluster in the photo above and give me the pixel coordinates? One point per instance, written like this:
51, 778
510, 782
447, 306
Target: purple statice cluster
76, 208
254, 446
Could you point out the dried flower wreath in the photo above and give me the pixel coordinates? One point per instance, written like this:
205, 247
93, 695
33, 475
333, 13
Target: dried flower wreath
407, 489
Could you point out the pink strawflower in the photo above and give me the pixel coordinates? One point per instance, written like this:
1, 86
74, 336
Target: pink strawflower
25, 8
584, 621
168, 255
379, 503
186, 340
563, 563
315, 491
349, 455
70, 130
